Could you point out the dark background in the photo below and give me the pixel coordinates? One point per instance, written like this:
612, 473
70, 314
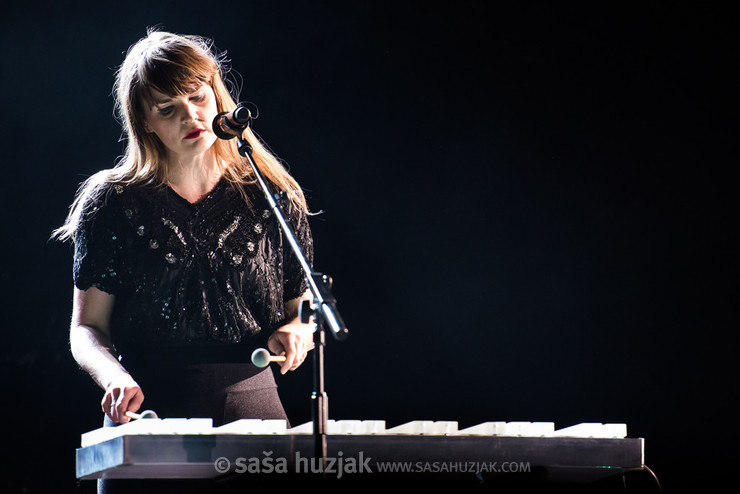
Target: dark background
527, 209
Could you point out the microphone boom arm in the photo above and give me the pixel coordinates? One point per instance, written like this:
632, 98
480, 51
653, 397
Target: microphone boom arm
228, 125
324, 303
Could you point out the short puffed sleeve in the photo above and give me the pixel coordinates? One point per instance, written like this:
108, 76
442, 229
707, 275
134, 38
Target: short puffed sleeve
99, 247
294, 277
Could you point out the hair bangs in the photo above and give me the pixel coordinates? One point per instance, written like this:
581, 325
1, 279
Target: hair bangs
174, 72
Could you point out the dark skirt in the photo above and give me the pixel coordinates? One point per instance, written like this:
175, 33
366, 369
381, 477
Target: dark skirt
222, 392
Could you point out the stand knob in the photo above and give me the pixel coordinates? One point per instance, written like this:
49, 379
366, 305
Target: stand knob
305, 311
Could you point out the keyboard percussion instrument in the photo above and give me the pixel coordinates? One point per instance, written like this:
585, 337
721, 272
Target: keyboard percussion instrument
173, 448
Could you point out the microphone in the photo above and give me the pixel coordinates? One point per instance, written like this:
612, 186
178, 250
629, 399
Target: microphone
228, 125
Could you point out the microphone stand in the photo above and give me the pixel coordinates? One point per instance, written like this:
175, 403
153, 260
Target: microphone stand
323, 309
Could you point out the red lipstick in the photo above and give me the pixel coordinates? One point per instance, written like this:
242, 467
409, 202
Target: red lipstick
194, 133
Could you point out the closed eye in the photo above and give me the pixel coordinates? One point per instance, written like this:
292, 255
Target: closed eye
165, 110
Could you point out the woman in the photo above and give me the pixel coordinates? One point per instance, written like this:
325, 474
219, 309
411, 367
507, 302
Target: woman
180, 269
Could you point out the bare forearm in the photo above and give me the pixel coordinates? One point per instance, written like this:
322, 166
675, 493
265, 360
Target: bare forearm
94, 353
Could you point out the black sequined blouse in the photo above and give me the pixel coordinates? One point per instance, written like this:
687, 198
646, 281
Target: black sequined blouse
206, 280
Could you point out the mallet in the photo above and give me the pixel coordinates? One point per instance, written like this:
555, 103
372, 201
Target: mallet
262, 358
146, 414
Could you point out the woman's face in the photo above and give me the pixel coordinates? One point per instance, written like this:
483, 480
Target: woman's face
183, 123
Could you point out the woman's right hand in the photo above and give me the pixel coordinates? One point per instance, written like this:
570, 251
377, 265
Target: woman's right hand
93, 350
121, 396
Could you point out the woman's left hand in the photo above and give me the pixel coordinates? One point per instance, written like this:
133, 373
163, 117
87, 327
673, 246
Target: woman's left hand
293, 340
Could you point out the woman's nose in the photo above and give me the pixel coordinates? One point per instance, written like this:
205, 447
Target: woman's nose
191, 113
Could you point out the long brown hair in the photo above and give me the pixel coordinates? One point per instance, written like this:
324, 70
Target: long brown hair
173, 64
